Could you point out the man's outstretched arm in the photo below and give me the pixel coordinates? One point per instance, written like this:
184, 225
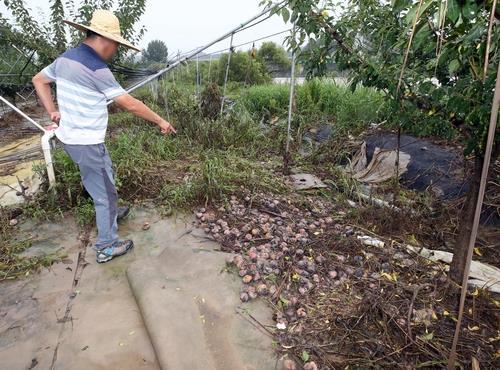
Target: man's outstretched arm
137, 107
42, 86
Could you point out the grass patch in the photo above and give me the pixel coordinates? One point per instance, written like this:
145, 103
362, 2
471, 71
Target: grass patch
218, 174
319, 100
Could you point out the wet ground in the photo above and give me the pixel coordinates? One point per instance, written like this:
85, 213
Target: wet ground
20, 151
17, 161
13, 126
168, 304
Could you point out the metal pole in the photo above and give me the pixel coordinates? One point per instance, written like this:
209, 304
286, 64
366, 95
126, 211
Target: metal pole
488, 42
209, 69
198, 75
475, 225
290, 104
197, 51
47, 155
47, 136
227, 74
18, 111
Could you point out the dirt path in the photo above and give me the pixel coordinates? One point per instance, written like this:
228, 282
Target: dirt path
177, 304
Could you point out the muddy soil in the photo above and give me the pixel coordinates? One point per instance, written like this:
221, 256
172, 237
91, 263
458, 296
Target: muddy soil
13, 126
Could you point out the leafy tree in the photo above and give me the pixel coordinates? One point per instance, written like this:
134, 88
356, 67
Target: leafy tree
443, 72
242, 68
16, 64
156, 52
28, 34
56, 19
273, 57
49, 39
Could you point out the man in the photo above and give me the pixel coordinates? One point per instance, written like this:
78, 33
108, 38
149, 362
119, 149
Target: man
84, 85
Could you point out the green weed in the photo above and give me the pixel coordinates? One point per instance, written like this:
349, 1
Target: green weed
84, 213
216, 176
12, 265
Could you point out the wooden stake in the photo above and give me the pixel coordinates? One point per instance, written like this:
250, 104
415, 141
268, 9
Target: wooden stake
477, 215
286, 158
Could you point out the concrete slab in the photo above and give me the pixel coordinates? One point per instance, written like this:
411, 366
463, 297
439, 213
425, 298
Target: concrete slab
192, 311
104, 329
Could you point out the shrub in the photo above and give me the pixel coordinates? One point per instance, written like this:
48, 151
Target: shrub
211, 101
270, 99
274, 58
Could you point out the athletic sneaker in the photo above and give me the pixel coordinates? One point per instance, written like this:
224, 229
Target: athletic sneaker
119, 249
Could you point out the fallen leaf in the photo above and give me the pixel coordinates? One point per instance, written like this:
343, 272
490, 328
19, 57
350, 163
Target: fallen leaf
427, 337
387, 276
305, 356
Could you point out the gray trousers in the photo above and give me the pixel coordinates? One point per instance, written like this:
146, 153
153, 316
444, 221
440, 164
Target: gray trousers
97, 176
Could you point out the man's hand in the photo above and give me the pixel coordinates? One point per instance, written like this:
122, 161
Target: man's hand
55, 117
166, 127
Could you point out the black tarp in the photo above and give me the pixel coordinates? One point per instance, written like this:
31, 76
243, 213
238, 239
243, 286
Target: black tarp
432, 166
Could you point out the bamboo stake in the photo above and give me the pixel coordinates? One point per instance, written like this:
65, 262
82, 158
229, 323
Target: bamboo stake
407, 51
286, 157
290, 103
488, 40
398, 94
482, 189
477, 215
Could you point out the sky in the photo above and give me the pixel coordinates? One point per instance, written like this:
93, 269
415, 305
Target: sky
185, 25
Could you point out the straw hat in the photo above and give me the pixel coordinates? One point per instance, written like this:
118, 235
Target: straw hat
105, 24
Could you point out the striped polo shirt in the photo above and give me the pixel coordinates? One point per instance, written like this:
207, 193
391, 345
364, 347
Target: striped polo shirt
84, 84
